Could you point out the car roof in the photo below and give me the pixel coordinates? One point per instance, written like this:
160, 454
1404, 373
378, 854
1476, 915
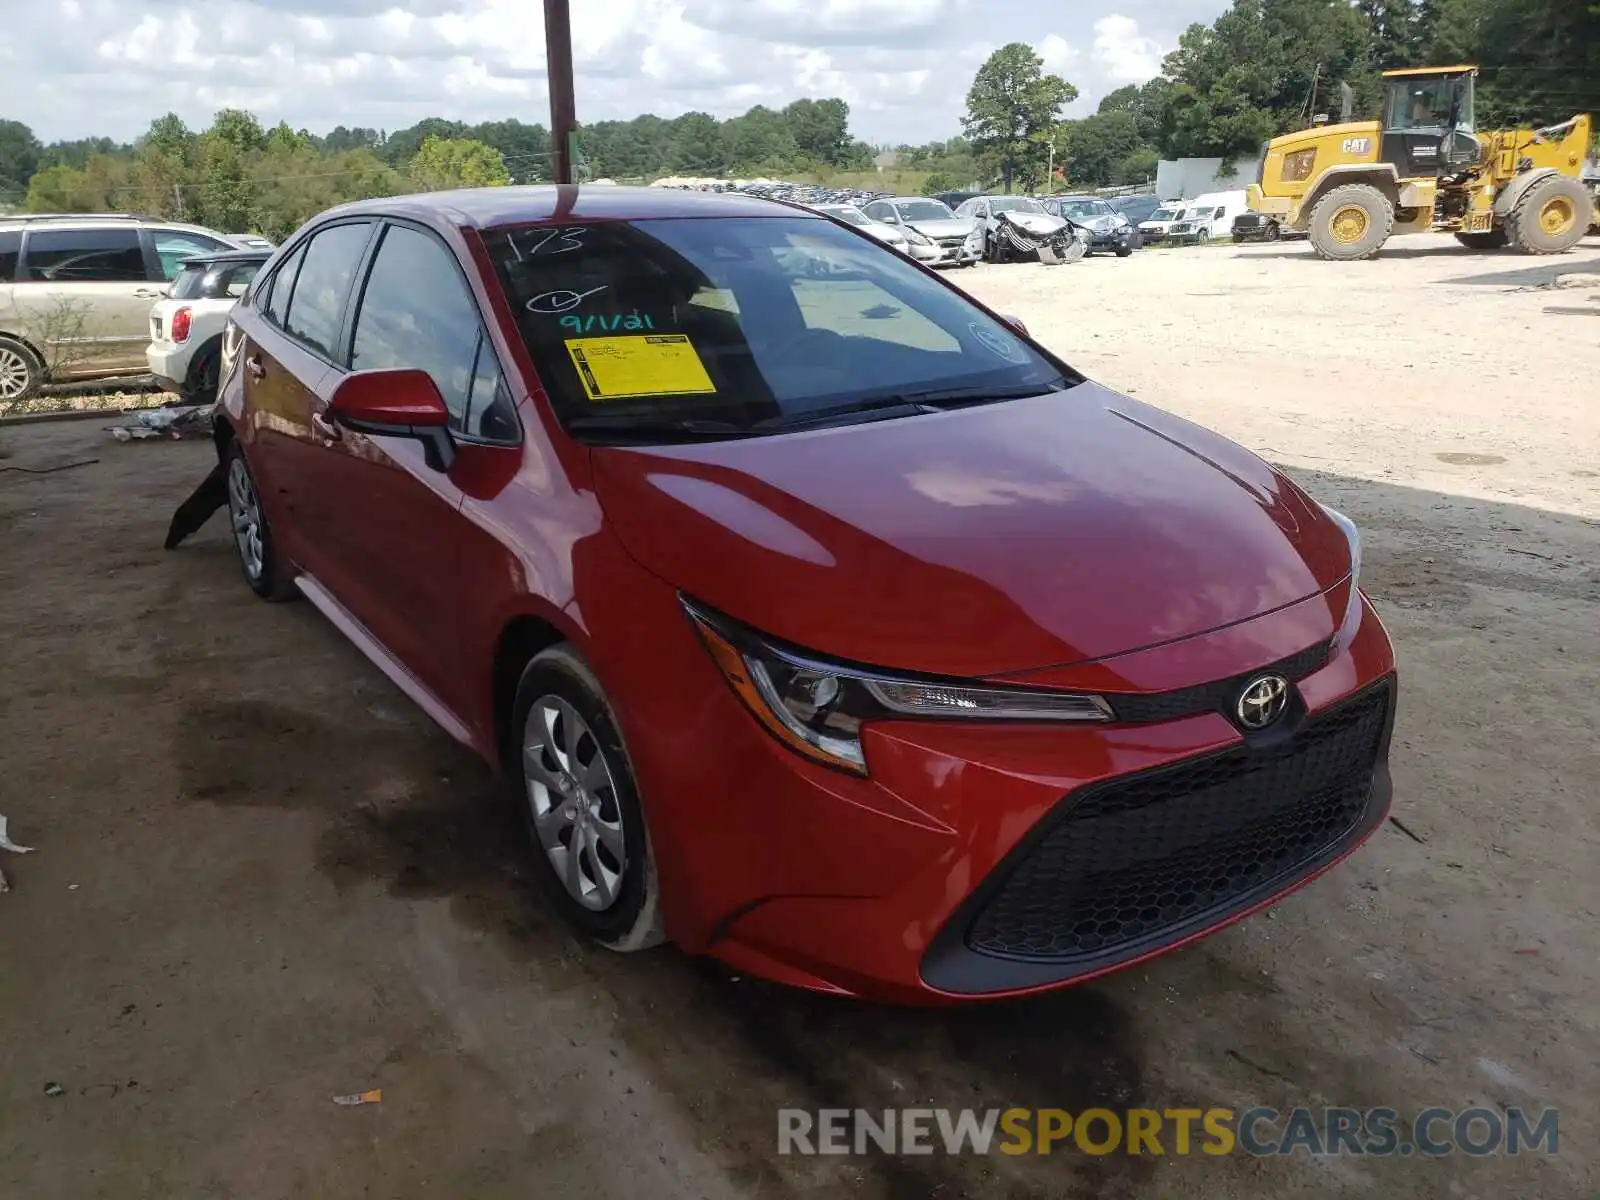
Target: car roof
485, 208
101, 221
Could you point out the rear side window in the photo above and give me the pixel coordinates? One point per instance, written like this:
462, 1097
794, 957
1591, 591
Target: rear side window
316, 307
85, 256
10, 248
416, 312
173, 246
277, 299
190, 283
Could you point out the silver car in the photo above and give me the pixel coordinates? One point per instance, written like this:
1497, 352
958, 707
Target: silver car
889, 235
935, 234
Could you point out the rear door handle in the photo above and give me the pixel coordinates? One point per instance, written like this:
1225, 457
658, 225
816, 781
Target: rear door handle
325, 426
257, 368
147, 294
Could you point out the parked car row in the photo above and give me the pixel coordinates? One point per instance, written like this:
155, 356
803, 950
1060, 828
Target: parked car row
84, 296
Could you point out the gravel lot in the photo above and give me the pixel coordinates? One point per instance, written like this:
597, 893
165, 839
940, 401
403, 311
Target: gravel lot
262, 879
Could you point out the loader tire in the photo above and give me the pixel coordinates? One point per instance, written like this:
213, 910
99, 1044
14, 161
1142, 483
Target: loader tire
1551, 217
1351, 223
1495, 239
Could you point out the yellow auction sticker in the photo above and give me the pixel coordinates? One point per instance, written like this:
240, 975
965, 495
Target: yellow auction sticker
623, 368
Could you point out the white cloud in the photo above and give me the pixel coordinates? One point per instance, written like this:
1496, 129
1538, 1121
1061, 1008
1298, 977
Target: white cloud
81, 67
1126, 55
1059, 55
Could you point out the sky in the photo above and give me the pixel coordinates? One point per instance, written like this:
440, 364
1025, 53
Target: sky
75, 68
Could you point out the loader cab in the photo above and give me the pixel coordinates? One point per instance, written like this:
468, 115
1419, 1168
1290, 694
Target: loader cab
1430, 121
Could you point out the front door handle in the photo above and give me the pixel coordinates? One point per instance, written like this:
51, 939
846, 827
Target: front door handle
257, 368
325, 426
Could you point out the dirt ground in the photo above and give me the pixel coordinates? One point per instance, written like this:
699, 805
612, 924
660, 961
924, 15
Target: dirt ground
262, 879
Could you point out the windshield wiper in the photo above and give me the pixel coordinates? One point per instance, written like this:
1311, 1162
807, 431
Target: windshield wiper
946, 398
880, 407
678, 427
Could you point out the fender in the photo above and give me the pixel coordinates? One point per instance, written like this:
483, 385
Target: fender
1518, 187
1383, 175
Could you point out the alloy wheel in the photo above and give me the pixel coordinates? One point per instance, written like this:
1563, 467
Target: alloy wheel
245, 510
573, 801
14, 374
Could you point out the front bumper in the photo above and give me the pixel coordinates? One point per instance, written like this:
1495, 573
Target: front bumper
1114, 239
953, 873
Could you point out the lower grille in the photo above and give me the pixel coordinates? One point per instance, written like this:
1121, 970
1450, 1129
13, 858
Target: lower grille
1139, 861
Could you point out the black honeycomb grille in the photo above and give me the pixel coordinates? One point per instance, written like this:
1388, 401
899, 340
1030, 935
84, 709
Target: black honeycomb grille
1149, 855
1214, 697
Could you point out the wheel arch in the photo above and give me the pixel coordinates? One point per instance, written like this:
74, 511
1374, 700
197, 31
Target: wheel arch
27, 344
1383, 178
1518, 188
521, 638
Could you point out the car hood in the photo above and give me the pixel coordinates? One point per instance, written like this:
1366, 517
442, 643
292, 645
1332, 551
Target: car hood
947, 227
1023, 534
1100, 224
1036, 223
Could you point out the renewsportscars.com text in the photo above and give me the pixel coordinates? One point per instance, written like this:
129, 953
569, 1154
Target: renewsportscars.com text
1261, 1132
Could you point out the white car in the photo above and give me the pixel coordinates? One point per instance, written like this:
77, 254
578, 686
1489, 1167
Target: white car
185, 350
851, 215
936, 235
1209, 217
1024, 213
1160, 223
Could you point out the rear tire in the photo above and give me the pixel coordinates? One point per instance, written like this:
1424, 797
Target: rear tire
580, 805
1274, 232
21, 372
1351, 223
201, 385
1551, 217
252, 536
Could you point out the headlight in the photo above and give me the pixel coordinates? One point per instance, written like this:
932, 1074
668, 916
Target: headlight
1352, 612
1297, 166
817, 707
918, 239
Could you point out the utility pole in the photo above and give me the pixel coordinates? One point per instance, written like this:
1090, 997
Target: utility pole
558, 72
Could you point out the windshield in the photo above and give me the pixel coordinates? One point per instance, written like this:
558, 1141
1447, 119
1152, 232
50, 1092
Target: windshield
1083, 210
1164, 214
923, 210
651, 324
1016, 204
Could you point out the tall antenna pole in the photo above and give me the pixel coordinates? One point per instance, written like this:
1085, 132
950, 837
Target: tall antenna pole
558, 72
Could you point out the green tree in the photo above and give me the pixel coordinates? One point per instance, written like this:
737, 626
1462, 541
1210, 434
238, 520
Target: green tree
697, 145
1098, 146
237, 128
525, 148
759, 141
171, 136
1012, 108
19, 158
443, 163
821, 130
400, 145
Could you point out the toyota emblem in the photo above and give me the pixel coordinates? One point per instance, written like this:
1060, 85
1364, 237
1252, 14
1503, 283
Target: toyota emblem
1262, 701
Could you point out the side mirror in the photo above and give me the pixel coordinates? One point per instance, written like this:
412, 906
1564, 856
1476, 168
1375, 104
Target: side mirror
1016, 323
399, 403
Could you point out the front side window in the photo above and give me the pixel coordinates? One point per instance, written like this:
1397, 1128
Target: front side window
316, 307
416, 312
747, 323
85, 256
1423, 104
172, 247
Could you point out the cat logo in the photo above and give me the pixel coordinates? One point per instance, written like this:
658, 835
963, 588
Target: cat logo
1357, 145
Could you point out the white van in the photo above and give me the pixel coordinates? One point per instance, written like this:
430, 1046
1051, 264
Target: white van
1209, 216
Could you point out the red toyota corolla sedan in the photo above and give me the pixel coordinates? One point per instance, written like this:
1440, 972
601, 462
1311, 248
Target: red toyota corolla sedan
821, 620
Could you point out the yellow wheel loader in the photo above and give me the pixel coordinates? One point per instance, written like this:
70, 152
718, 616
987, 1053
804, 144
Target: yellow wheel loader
1425, 167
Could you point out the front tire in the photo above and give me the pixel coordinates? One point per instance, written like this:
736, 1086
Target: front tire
252, 536
1551, 217
1351, 223
580, 805
21, 372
